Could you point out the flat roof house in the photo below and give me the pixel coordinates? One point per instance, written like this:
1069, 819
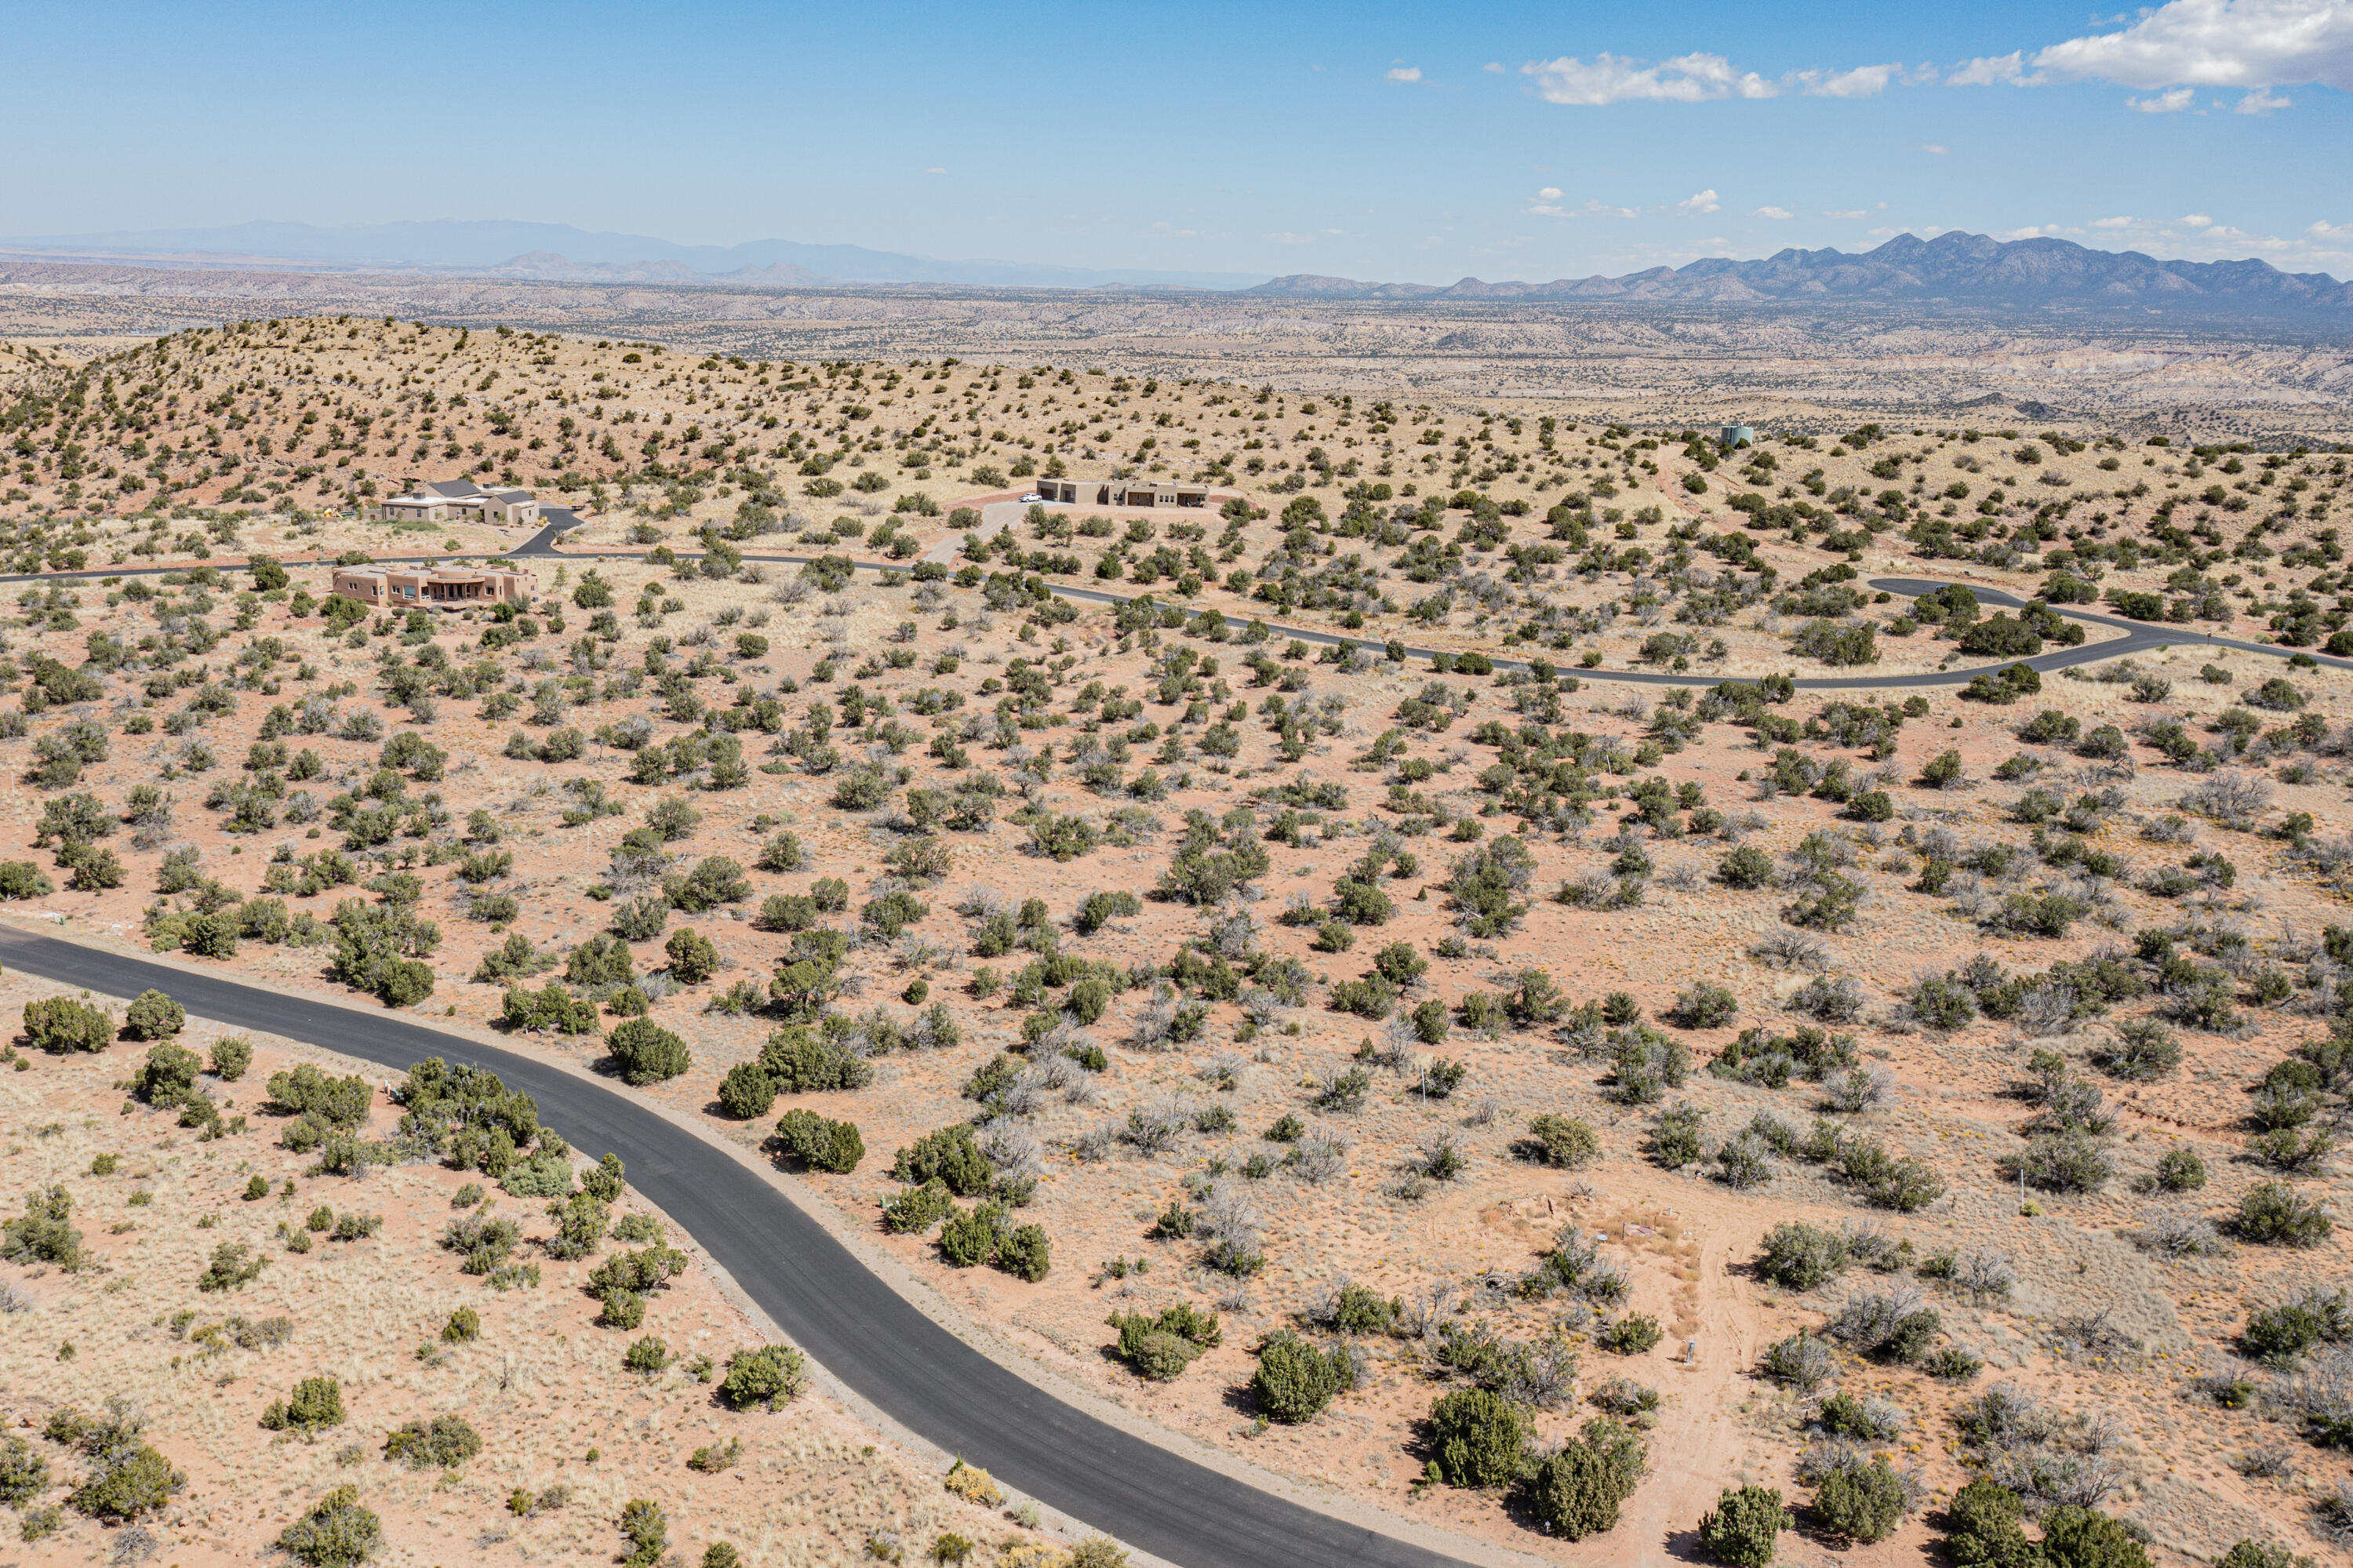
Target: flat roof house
435, 586
1123, 492
451, 500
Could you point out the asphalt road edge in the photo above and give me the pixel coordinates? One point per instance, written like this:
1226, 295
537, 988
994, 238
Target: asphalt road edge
884, 1266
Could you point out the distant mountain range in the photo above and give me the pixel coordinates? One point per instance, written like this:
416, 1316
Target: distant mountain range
1964, 268
560, 250
1970, 270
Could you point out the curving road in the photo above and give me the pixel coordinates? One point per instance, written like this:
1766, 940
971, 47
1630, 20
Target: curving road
2140, 637
856, 1327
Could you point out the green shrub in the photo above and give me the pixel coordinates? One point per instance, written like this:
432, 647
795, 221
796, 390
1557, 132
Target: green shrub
24, 1472
1294, 1381
2086, 1538
580, 1223
602, 1180
693, 958
1632, 1335
715, 880
1705, 1006
440, 1443
1861, 1502
1801, 1360
647, 1268
153, 1016
233, 1265
2273, 1213
1745, 1526
42, 1235
380, 948
549, 1010
465, 1324
1100, 908
821, 1143
1983, 1528
1675, 1136
1746, 867
168, 1075
712, 1458
1800, 1256
601, 961
303, 1090
763, 1379
746, 1092
1162, 1347
231, 1055
799, 1060
971, 1236
950, 1155
1560, 1141
2280, 1335
1480, 1438
22, 879
1579, 1490
785, 912
917, 1210
2253, 1554
127, 1478
646, 1355
646, 1053
646, 1529
482, 1239
316, 1404
60, 1023
1025, 1253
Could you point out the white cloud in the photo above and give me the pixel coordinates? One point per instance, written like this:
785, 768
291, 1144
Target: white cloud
1862, 81
1933, 147
1776, 212
1550, 193
2007, 70
2249, 44
1699, 201
1293, 238
935, 171
1493, 68
1857, 213
1686, 79
1404, 73
2261, 100
1695, 78
2197, 220
2169, 103
2112, 223
2323, 230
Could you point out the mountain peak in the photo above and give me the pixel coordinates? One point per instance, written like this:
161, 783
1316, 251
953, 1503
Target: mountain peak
1952, 268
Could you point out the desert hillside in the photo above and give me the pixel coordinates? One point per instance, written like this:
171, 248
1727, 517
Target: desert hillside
1524, 1101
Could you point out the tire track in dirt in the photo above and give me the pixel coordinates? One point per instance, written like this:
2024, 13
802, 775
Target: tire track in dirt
1702, 1443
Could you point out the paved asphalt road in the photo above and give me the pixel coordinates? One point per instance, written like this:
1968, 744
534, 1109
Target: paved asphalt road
856, 1326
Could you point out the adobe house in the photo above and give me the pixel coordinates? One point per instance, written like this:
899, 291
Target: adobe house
1122, 492
435, 587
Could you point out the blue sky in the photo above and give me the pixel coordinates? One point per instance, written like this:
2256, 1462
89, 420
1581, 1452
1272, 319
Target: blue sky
1368, 140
